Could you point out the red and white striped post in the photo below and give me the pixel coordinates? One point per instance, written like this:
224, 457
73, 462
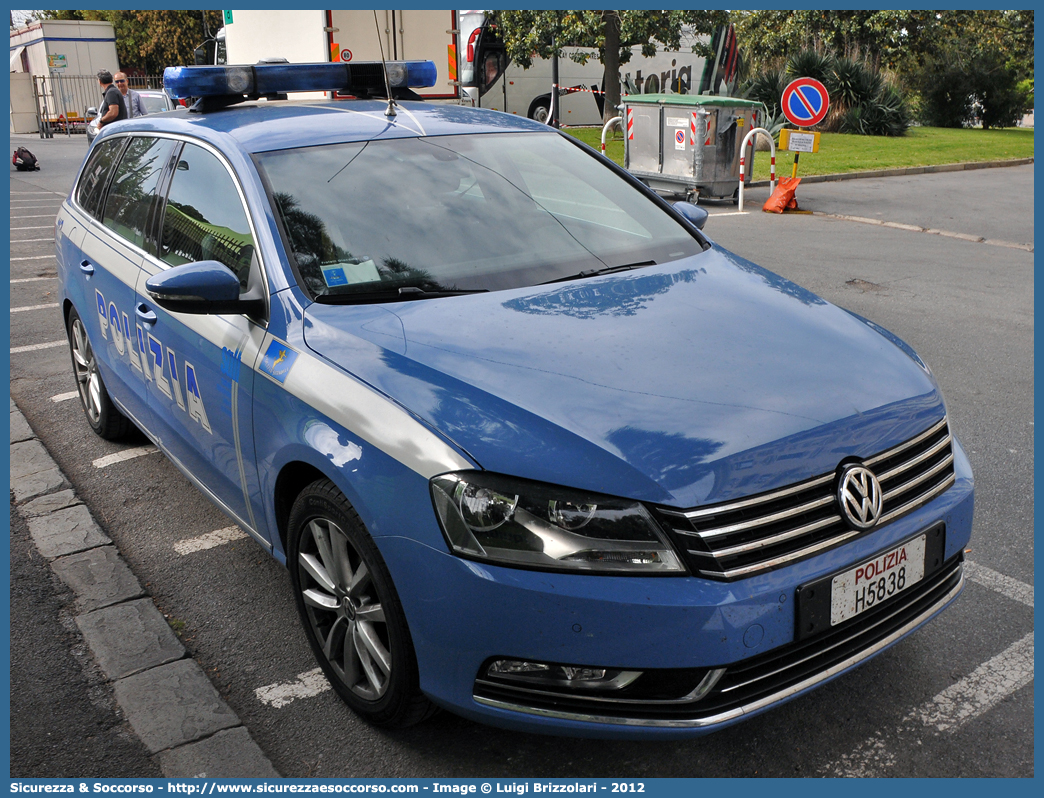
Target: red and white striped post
743, 160
605, 129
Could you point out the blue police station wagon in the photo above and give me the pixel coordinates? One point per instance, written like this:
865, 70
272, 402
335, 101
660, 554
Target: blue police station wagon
532, 447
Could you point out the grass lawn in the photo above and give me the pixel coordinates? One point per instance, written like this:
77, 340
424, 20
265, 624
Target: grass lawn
839, 152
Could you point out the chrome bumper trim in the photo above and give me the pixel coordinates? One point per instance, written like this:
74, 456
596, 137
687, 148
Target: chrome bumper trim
697, 723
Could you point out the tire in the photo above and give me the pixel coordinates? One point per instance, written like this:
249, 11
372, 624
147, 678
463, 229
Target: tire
350, 610
103, 416
540, 109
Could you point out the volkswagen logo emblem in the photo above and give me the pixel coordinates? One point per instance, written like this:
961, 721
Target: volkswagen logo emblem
860, 497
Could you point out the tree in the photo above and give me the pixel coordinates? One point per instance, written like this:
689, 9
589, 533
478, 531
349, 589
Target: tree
533, 34
898, 41
148, 41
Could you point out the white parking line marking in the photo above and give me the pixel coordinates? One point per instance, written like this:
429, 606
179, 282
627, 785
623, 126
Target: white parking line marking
64, 397
26, 193
870, 760
980, 690
30, 240
964, 700
32, 279
218, 537
987, 577
27, 207
33, 257
33, 216
36, 227
34, 347
126, 454
34, 307
958, 704
308, 684
730, 213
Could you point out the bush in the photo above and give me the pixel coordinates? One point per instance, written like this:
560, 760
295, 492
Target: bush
885, 115
810, 64
861, 100
983, 90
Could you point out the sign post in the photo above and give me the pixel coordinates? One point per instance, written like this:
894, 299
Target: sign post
805, 103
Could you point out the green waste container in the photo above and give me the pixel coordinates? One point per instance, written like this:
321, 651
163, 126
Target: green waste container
687, 144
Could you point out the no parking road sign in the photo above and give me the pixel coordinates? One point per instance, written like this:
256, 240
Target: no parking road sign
805, 102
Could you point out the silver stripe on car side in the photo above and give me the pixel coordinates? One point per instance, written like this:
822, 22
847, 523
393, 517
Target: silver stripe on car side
373, 417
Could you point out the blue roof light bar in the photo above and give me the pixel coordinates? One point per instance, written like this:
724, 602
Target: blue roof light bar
362, 77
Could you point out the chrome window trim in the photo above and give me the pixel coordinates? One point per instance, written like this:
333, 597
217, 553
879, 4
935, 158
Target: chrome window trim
235, 181
732, 714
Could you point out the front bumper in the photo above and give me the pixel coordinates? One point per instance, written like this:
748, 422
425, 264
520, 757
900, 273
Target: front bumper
462, 613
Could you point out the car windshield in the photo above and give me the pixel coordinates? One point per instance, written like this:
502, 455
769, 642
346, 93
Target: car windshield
154, 103
460, 213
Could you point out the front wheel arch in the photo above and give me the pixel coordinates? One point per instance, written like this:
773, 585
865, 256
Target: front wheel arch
351, 611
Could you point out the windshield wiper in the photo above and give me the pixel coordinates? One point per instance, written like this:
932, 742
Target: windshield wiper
404, 294
596, 272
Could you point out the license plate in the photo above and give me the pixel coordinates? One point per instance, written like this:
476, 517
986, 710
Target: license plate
861, 588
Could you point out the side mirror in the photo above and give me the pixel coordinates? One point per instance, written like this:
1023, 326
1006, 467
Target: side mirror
694, 214
204, 54
204, 287
92, 112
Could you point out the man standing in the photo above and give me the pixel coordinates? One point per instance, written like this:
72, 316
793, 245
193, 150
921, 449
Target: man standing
135, 105
112, 108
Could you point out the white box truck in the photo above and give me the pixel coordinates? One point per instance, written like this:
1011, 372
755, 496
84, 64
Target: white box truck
468, 57
312, 36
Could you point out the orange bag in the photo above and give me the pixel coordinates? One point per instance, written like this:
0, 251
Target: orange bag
783, 197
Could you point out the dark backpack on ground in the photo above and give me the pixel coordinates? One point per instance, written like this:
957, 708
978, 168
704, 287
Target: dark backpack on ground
24, 160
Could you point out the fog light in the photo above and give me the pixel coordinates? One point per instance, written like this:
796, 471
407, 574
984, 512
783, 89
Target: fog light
577, 677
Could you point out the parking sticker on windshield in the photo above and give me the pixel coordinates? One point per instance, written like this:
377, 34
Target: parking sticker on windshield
335, 276
361, 270
278, 360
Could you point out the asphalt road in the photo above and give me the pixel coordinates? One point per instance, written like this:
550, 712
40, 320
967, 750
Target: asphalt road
948, 701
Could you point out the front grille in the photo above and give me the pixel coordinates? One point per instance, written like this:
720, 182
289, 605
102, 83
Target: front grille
754, 683
738, 539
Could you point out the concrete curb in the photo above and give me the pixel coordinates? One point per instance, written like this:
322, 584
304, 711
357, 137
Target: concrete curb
901, 171
165, 696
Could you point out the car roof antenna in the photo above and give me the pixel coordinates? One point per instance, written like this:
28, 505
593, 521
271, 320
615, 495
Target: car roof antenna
390, 110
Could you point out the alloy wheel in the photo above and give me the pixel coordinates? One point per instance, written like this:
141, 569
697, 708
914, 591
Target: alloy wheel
344, 609
88, 381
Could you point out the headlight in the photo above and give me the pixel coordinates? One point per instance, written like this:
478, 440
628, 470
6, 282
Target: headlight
516, 522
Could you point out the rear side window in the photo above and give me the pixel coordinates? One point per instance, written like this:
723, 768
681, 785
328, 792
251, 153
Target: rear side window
133, 189
95, 175
205, 219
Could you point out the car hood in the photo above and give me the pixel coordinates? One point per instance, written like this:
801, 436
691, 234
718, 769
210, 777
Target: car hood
686, 383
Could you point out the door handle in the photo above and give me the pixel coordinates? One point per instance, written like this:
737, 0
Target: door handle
146, 316
87, 267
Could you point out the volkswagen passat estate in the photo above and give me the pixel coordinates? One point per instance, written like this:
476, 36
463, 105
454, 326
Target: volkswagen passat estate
532, 447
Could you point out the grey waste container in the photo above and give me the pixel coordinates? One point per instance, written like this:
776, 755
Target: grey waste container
687, 144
